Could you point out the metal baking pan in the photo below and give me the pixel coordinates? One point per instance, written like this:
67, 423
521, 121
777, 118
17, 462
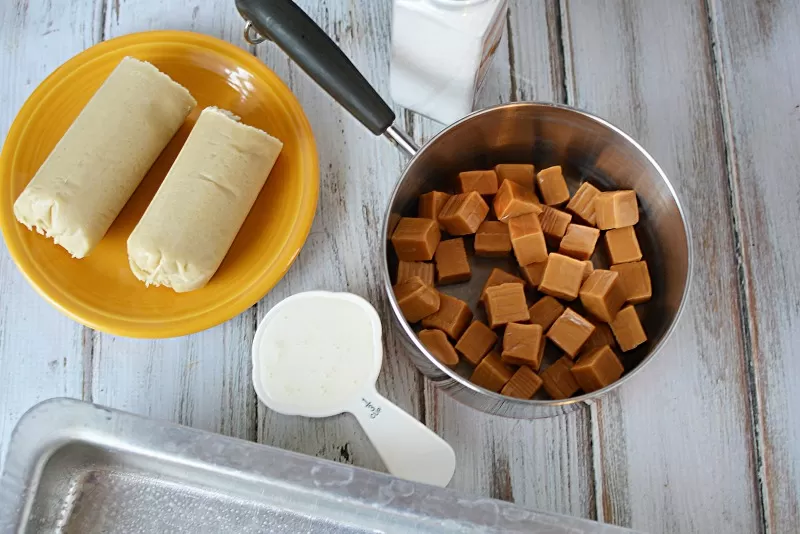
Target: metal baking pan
74, 467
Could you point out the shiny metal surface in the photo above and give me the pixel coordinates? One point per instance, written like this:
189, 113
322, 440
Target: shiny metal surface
73, 467
251, 35
588, 148
402, 140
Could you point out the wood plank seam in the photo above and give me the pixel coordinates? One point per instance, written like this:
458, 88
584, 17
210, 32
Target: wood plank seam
566, 51
745, 296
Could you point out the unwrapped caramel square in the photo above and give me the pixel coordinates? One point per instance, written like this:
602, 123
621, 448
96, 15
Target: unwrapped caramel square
463, 213
597, 369
452, 318
601, 336
409, 269
635, 280
602, 294
554, 222
439, 346
552, 186
545, 311
416, 299
476, 342
616, 209
558, 380
430, 204
533, 272
492, 239
505, 304
483, 182
579, 241
452, 264
519, 173
523, 384
527, 239
582, 202
570, 331
497, 277
416, 239
622, 245
588, 269
562, 276
491, 373
523, 344
628, 329
513, 200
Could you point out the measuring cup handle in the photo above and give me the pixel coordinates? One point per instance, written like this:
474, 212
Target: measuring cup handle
283, 22
409, 449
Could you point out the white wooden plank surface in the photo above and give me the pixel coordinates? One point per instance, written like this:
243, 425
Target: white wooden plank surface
40, 350
676, 443
201, 380
758, 47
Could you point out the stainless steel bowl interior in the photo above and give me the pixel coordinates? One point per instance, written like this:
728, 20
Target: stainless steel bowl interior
588, 149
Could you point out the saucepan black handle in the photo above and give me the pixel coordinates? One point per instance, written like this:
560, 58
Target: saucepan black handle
283, 22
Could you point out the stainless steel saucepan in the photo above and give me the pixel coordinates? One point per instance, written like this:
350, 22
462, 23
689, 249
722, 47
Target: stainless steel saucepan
587, 147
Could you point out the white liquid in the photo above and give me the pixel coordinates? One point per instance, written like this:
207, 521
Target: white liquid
318, 351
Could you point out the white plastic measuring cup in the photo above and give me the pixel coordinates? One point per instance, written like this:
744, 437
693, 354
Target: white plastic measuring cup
318, 354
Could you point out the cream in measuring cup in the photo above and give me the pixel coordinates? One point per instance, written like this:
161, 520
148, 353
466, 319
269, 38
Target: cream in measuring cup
318, 354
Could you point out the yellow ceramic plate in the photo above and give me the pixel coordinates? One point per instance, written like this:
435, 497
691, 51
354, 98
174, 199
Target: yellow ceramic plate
100, 291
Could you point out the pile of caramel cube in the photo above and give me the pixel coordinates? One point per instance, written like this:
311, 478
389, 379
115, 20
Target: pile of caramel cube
586, 313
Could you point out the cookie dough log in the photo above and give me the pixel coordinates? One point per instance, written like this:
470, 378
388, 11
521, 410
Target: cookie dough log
94, 169
192, 221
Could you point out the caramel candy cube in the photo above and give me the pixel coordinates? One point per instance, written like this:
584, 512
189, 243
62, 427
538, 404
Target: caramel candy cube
416, 239
463, 213
523, 385
597, 369
523, 344
491, 373
628, 329
616, 209
622, 245
570, 331
438, 345
410, 269
431, 204
635, 280
452, 318
416, 299
601, 336
513, 200
579, 241
527, 239
476, 342
588, 269
558, 380
602, 294
552, 186
554, 222
582, 202
451, 261
545, 311
492, 239
532, 273
519, 173
497, 277
506, 304
562, 277
483, 182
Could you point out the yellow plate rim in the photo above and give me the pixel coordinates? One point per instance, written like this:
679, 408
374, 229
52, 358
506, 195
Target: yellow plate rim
241, 301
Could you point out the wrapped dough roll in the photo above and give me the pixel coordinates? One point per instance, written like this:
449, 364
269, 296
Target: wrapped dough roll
194, 217
94, 169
